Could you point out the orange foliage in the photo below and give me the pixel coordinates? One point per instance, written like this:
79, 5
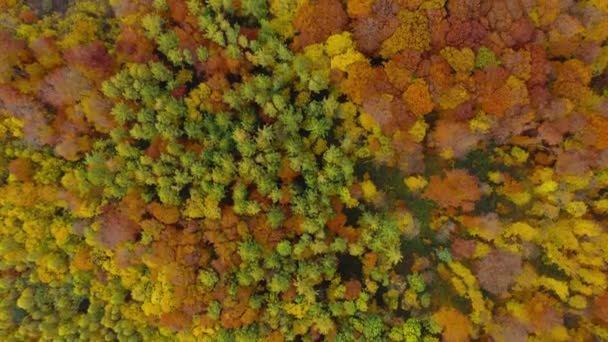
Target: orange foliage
456, 189
573, 77
133, 46
543, 313
418, 98
456, 326
597, 134
166, 214
600, 307
353, 288
22, 169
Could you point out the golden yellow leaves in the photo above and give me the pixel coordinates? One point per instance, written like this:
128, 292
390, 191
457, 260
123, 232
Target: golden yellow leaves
342, 52
453, 97
412, 34
461, 60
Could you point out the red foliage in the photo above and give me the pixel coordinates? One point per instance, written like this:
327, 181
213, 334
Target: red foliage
539, 65
369, 32
454, 135
463, 249
461, 34
92, 59
63, 87
13, 51
133, 46
409, 156
497, 271
36, 129
575, 162
115, 227
178, 10
317, 20
464, 9
509, 329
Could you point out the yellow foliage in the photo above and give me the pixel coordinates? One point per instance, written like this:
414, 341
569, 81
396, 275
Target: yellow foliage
338, 43
481, 123
576, 208
197, 100
282, 19
370, 192
578, 302
368, 122
481, 249
416, 183
558, 287
453, 97
586, 228
462, 60
342, 61
519, 198
522, 230
546, 187
298, 310
519, 155
480, 313
413, 33
601, 206
10, 126
432, 4
418, 130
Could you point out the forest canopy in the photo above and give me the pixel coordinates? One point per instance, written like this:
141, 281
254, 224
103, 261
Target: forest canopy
304, 170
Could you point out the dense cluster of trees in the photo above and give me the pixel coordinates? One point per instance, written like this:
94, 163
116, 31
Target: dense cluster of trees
343, 170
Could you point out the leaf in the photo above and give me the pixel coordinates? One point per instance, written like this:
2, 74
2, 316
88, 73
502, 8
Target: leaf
497, 271
92, 58
456, 326
370, 31
164, 213
418, 98
63, 87
115, 227
457, 189
12, 51
318, 20
453, 138
600, 307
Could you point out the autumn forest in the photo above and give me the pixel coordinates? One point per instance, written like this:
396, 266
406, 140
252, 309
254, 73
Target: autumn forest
304, 170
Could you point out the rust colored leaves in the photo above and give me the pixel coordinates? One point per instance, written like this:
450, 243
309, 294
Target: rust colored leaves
457, 189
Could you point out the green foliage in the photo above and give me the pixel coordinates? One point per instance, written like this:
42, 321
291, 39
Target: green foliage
486, 57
